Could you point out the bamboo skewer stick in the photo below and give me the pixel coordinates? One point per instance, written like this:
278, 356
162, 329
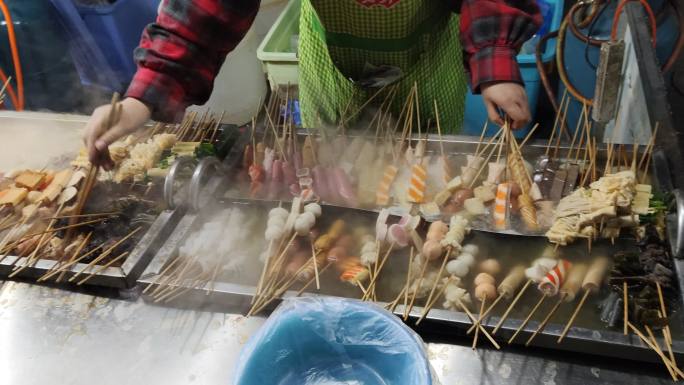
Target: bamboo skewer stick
477, 322
7, 236
439, 276
102, 268
161, 274
33, 258
510, 307
371, 285
408, 279
263, 274
663, 312
111, 213
56, 229
76, 252
407, 310
486, 313
473, 320
542, 325
315, 265
482, 135
659, 351
323, 269
527, 319
105, 253
63, 269
529, 135
667, 337
656, 349
573, 316
625, 299
429, 305
174, 278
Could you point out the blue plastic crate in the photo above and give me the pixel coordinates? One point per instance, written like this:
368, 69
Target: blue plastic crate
476, 113
116, 30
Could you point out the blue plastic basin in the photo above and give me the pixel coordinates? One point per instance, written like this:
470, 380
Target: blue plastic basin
333, 341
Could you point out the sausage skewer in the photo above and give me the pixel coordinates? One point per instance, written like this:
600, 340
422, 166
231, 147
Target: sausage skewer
568, 292
591, 284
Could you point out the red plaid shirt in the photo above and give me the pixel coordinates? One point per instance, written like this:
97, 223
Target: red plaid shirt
180, 55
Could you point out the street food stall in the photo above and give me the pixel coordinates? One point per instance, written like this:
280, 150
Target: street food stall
516, 257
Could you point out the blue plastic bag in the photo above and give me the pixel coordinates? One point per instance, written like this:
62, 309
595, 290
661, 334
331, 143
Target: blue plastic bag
333, 341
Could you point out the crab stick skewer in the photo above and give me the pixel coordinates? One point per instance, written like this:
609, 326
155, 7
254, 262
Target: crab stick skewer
549, 286
591, 284
503, 192
568, 292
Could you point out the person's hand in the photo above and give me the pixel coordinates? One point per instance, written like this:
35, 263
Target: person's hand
134, 114
511, 99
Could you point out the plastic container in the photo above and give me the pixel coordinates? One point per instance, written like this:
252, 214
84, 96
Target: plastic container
278, 50
280, 62
323, 341
116, 29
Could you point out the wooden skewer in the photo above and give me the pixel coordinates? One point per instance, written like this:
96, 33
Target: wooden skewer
473, 320
407, 310
529, 135
196, 284
7, 236
315, 266
263, 271
180, 287
102, 268
76, 252
659, 351
529, 316
663, 312
542, 325
66, 266
56, 229
363, 289
574, 315
477, 322
371, 285
656, 349
33, 258
668, 342
161, 274
87, 215
393, 305
173, 279
625, 299
429, 306
279, 288
439, 276
105, 253
486, 313
484, 130
214, 274
510, 307
323, 269
408, 279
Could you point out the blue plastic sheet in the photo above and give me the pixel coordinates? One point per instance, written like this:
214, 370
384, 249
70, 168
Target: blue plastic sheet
333, 341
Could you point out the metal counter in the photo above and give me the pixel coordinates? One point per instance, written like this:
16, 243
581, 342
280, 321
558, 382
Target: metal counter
52, 336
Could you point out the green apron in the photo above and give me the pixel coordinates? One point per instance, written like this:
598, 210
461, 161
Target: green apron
338, 37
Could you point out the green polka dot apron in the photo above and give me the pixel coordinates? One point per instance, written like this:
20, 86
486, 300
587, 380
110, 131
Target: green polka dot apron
339, 38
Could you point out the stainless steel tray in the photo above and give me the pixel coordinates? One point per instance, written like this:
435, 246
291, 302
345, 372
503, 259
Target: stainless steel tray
237, 292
